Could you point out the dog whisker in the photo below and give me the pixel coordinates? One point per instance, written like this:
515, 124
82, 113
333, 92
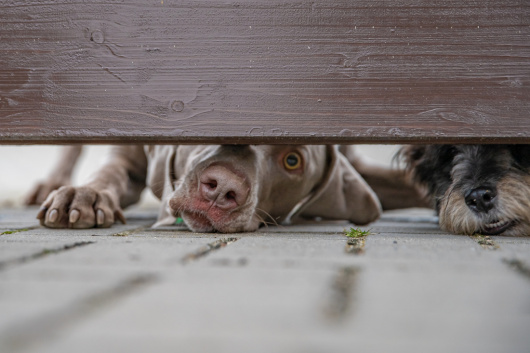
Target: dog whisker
261, 220
274, 222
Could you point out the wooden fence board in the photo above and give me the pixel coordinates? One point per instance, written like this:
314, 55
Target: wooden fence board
264, 71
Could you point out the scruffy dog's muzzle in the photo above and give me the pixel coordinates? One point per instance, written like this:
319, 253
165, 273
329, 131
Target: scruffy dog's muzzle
482, 189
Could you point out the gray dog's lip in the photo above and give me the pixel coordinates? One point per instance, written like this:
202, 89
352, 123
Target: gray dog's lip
197, 221
497, 227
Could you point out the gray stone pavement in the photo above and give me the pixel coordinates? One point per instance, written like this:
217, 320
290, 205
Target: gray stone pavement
406, 287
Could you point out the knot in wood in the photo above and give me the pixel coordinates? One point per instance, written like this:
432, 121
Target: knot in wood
97, 36
177, 105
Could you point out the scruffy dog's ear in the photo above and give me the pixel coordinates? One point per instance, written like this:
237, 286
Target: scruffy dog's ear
430, 166
411, 155
343, 194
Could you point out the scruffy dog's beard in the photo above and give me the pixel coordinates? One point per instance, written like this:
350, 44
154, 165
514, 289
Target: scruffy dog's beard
476, 189
511, 215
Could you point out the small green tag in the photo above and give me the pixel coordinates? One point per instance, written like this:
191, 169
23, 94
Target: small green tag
179, 220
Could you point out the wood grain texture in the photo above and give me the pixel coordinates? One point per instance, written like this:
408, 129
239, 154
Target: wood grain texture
264, 71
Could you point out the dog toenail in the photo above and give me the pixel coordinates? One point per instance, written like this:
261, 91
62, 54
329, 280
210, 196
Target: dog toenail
74, 216
54, 214
42, 212
100, 217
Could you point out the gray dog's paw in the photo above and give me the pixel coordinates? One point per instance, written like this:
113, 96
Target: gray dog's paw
79, 207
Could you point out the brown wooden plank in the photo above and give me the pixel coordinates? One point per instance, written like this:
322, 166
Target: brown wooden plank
272, 71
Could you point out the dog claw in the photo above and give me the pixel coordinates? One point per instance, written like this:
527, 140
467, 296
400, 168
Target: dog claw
42, 212
74, 216
100, 217
52, 217
119, 215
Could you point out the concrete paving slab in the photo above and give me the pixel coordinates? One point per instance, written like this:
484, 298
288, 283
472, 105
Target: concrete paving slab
190, 308
514, 248
406, 287
285, 310
56, 284
24, 244
442, 309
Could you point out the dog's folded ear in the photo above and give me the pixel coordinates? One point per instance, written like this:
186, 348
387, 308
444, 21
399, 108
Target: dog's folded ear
429, 164
160, 174
343, 194
412, 155
161, 178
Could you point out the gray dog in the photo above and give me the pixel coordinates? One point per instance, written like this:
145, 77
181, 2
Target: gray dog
224, 188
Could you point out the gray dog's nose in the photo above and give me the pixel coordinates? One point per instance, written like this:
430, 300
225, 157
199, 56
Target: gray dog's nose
481, 199
222, 186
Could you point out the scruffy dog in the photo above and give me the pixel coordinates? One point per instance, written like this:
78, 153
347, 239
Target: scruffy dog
481, 189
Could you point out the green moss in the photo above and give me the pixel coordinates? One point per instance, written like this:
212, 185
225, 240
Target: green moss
14, 231
125, 233
356, 232
485, 241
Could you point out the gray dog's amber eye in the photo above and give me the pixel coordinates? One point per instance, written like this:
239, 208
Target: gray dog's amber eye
292, 161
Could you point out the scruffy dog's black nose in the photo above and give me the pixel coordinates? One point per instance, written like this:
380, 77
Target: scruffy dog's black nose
481, 199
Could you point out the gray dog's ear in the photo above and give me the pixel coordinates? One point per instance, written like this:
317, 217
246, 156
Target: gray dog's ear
160, 174
343, 194
161, 178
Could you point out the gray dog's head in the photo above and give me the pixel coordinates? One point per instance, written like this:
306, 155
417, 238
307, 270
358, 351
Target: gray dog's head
476, 188
235, 188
